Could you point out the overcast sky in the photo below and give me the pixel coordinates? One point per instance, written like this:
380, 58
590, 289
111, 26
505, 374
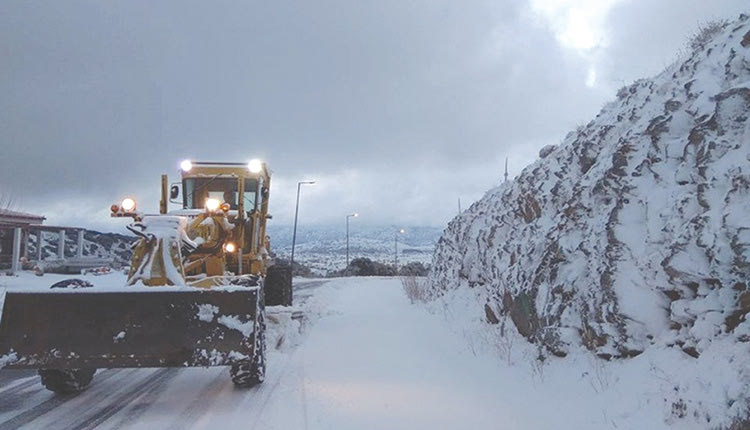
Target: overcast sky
395, 108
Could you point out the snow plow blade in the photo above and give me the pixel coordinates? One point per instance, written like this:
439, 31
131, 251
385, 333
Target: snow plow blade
75, 329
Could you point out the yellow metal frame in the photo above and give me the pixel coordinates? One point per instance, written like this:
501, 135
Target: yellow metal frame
253, 258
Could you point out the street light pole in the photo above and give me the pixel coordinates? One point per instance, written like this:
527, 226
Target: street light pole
346, 269
296, 213
395, 248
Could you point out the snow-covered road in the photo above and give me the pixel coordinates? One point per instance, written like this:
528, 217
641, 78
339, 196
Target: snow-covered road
377, 362
371, 360
368, 359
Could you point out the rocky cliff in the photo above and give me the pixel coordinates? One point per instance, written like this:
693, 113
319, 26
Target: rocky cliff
635, 230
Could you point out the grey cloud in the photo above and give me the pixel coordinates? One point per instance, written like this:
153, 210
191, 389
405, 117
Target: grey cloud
646, 36
100, 98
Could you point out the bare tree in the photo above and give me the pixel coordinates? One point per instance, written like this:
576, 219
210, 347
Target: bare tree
7, 201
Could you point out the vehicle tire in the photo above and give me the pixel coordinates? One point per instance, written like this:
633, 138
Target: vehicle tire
66, 381
248, 373
246, 281
72, 284
278, 285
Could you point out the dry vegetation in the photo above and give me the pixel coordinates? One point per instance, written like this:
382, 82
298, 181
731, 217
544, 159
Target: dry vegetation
415, 289
705, 33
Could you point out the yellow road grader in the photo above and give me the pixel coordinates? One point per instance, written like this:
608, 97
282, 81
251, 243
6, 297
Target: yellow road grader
198, 283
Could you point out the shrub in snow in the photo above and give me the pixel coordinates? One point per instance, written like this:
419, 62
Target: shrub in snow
706, 33
415, 289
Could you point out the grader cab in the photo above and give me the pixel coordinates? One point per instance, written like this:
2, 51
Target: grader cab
199, 280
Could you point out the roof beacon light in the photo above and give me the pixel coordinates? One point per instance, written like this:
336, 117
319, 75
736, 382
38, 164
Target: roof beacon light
186, 166
255, 166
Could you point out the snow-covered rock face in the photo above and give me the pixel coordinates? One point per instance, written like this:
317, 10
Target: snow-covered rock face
635, 230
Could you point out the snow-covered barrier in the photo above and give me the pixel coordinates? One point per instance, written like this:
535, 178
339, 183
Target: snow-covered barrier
634, 231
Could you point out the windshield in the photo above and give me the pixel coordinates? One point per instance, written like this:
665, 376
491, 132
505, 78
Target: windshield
197, 190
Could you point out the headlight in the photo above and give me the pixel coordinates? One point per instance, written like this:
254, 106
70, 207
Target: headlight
229, 247
186, 165
128, 205
255, 166
212, 204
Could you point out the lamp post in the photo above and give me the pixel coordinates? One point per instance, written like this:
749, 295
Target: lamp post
296, 213
395, 248
346, 270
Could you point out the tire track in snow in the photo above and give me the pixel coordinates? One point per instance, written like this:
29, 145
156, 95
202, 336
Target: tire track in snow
261, 395
157, 379
12, 399
247, 404
144, 403
309, 285
10, 376
46, 406
203, 403
20, 386
9, 399
32, 414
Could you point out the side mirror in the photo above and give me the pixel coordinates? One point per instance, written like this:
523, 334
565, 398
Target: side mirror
174, 192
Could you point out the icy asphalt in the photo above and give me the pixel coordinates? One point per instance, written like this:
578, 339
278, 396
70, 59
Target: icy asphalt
367, 359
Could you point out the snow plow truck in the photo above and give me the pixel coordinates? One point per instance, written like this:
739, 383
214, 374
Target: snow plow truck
197, 286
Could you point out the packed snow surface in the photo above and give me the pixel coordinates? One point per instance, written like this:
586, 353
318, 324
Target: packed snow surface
369, 359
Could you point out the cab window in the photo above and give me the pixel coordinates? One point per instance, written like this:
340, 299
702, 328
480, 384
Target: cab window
197, 190
251, 191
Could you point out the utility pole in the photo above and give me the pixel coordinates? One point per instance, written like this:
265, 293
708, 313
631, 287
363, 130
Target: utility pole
395, 248
506, 169
296, 213
346, 269
458, 218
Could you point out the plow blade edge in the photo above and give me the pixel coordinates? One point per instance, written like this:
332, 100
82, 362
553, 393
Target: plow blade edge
74, 329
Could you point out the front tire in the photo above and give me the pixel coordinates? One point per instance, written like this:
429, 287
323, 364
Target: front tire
248, 373
66, 381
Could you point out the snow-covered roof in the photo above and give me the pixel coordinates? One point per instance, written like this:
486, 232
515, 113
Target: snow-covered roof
13, 218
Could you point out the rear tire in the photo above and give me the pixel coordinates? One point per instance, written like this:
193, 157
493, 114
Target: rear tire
248, 373
278, 285
66, 381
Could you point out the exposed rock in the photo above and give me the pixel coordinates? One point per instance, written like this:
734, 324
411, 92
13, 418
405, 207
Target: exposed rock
547, 150
635, 229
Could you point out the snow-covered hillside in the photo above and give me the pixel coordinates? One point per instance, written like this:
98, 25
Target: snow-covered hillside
633, 234
106, 246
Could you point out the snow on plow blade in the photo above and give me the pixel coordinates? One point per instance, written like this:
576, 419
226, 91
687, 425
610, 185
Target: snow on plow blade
74, 329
